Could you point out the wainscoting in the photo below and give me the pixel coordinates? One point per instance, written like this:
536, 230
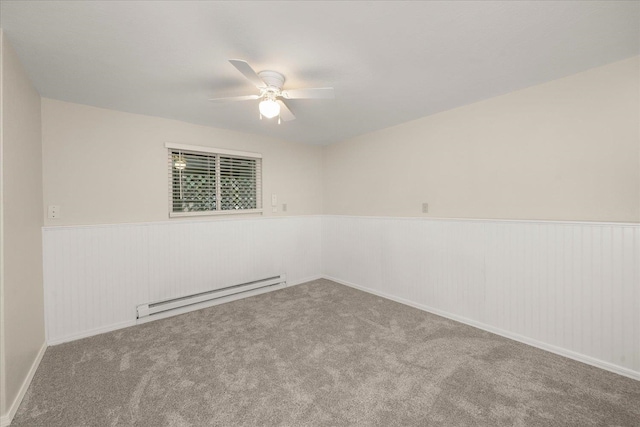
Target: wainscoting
95, 276
571, 288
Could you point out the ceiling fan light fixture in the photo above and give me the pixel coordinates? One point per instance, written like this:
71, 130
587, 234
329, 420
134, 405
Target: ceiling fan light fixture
272, 97
269, 108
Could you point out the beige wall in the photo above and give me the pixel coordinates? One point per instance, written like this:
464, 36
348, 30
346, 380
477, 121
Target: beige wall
22, 293
104, 166
564, 150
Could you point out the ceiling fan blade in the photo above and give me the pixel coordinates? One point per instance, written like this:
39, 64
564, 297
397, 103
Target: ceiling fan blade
285, 113
235, 98
248, 72
310, 93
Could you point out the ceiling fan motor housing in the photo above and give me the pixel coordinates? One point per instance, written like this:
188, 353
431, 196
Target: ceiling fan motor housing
270, 83
272, 78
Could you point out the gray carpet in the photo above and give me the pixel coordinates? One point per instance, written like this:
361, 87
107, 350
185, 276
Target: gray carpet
318, 354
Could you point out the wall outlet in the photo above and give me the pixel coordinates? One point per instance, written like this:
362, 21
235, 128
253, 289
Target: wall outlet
284, 207
274, 200
425, 207
53, 212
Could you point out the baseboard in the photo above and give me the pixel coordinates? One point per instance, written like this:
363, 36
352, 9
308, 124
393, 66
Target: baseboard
6, 419
92, 332
516, 337
305, 280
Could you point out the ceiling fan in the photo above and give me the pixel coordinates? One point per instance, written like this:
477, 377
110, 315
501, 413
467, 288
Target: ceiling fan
271, 93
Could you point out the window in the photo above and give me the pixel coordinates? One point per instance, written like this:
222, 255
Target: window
207, 181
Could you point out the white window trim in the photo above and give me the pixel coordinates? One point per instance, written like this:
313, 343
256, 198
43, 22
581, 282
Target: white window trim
187, 147
217, 151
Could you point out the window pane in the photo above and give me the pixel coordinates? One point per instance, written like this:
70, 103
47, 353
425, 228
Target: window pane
238, 183
193, 182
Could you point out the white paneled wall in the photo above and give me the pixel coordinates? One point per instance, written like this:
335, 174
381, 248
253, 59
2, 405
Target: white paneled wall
572, 288
95, 276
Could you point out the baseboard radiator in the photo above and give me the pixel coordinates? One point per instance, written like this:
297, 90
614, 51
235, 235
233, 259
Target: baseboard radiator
162, 307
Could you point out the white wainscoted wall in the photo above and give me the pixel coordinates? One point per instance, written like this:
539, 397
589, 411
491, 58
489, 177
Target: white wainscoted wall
95, 276
571, 288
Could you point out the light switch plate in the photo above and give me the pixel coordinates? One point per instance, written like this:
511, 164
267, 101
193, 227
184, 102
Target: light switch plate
274, 200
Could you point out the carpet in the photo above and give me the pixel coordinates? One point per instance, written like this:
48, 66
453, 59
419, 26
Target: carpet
318, 354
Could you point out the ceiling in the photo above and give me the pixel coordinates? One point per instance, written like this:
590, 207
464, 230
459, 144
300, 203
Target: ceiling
389, 62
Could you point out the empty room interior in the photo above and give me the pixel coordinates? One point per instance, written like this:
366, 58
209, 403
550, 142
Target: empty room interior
358, 213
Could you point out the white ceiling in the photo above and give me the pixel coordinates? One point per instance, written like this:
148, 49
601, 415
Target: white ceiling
389, 62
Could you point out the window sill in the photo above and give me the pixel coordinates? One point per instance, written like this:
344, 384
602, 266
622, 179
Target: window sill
215, 213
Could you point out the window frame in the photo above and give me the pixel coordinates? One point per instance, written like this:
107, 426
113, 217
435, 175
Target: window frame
198, 149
